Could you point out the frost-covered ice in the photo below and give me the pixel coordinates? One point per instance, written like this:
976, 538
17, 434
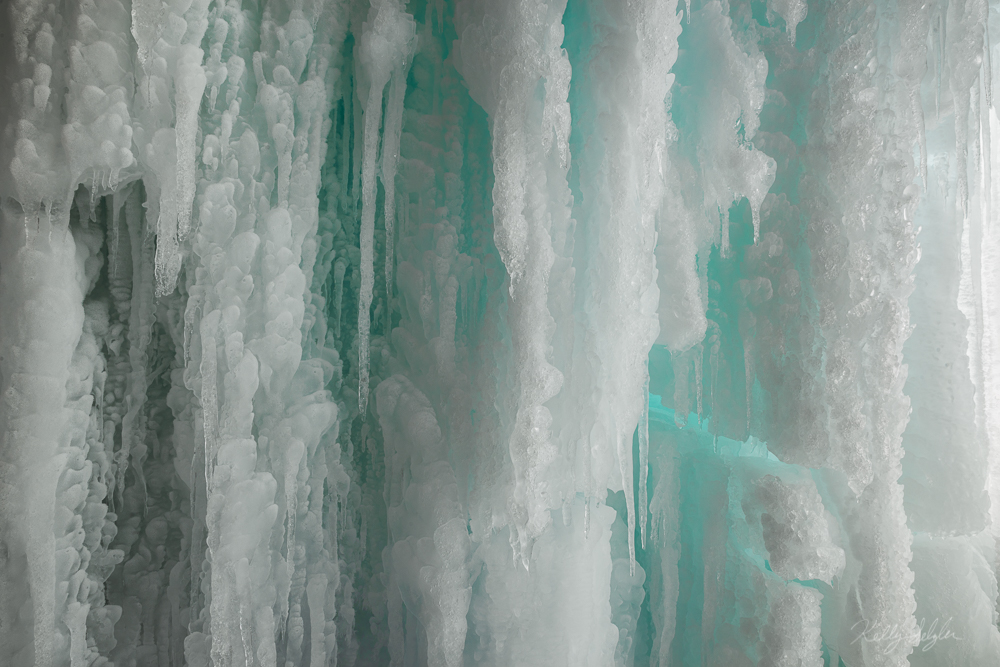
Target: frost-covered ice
499, 332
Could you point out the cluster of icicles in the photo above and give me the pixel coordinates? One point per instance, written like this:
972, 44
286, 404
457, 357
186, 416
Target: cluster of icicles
627, 382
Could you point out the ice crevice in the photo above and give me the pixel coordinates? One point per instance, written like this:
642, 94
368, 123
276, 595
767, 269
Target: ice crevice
675, 340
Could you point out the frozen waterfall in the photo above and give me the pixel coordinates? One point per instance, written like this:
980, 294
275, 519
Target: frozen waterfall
512, 333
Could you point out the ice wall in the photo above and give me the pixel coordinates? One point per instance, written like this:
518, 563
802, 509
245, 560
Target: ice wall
499, 332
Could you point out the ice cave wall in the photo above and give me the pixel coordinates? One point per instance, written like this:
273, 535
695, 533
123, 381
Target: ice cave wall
499, 332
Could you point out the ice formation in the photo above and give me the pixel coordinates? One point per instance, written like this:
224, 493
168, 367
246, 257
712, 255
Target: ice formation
499, 332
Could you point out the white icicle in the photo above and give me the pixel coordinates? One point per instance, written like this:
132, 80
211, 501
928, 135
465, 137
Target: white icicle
385, 46
625, 465
987, 167
209, 391
988, 65
390, 157
506, 79
918, 112
189, 84
389, 264
372, 117
644, 459
114, 238
38, 336
623, 178
792, 11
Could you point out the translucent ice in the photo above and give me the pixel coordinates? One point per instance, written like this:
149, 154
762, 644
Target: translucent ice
675, 340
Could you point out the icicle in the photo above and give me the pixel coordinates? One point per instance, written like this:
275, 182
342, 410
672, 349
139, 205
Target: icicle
390, 258
244, 586
390, 156
976, 130
209, 392
373, 112
644, 457
147, 25
168, 256
345, 148
189, 86
115, 239
987, 186
625, 465
988, 63
755, 213
198, 502
387, 41
963, 104
723, 234
918, 113
293, 460
339, 270
357, 145
940, 63
315, 598
93, 189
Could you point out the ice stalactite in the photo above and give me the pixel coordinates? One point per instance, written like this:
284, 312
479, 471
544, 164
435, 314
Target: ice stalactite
791, 12
503, 76
726, 108
169, 84
43, 285
260, 453
675, 337
384, 53
387, 171
622, 180
643, 436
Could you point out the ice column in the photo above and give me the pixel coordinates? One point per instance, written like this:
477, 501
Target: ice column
385, 51
42, 293
621, 176
511, 60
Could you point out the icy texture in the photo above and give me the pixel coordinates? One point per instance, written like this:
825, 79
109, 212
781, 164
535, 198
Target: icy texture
384, 51
510, 57
676, 336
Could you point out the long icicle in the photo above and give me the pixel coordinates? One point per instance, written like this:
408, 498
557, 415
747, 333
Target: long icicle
388, 26
373, 116
390, 157
644, 458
